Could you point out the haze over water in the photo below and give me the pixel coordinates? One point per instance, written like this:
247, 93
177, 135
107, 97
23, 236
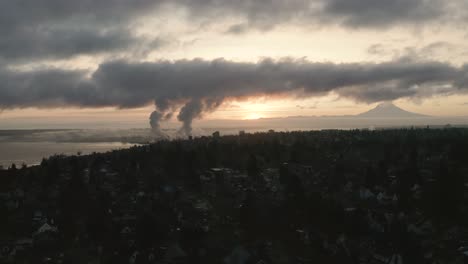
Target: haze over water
30, 146
31, 153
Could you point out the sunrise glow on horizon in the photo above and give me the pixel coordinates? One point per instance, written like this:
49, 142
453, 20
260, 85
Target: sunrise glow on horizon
233, 62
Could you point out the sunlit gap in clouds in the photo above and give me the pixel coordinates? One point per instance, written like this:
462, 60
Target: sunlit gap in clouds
264, 107
250, 109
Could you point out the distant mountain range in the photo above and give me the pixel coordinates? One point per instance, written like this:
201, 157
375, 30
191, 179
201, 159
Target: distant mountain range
389, 110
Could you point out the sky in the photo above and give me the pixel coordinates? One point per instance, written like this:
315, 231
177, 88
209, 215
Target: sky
148, 62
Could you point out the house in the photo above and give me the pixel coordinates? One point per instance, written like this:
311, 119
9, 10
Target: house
465, 257
133, 257
7, 251
46, 235
239, 255
127, 231
23, 244
175, 254
38, 217
45, 228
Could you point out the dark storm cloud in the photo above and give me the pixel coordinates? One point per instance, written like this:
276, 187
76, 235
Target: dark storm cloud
35, 29
257, 12
17, 14
44, 88
53, 43
186, 79
265, 14
64, 28
371, 13
200, 86
462, 82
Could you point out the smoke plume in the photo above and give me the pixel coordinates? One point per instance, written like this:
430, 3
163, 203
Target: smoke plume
191, 88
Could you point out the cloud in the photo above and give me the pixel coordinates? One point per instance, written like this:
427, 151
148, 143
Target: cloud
377, 49
265, 14
20, 14
425, 52
237, 29
59, 43
200, 86
313, 106
44, 88
60, 29
63, 28
377, 14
